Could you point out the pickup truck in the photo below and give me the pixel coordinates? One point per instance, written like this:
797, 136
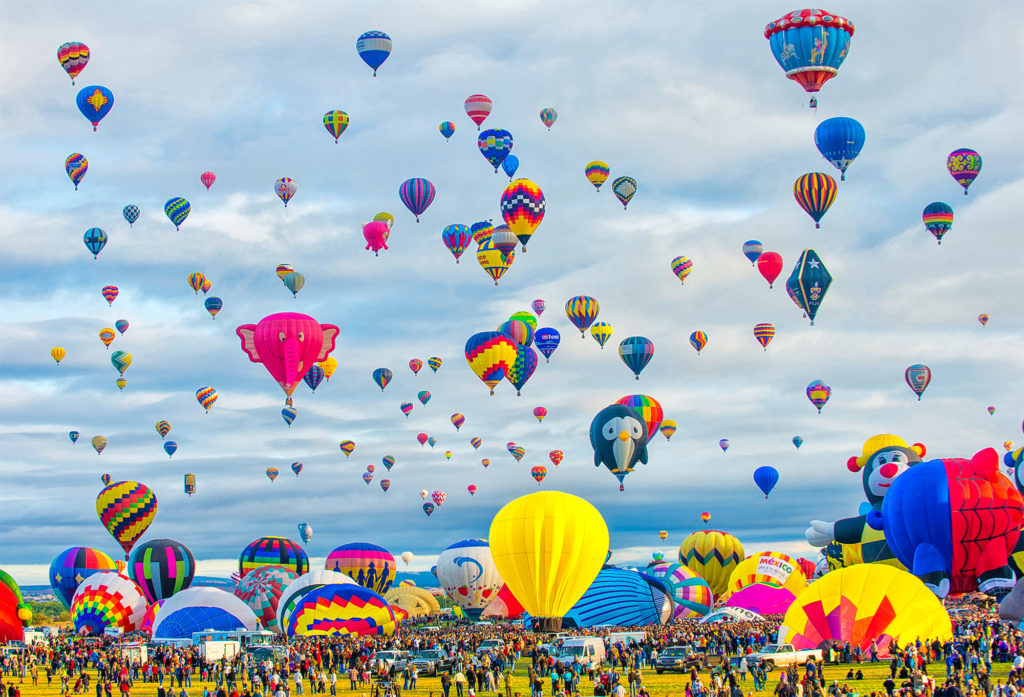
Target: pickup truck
432, 662
783, 655
488, 645
678, 658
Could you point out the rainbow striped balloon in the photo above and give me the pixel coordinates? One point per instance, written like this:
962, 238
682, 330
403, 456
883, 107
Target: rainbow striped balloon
815, 193
681, 267
691, 593
597, 173
764, 333
107, 599
417, 194
273, 551
370, 565
126, 510
340, 609
206, 396
76, 166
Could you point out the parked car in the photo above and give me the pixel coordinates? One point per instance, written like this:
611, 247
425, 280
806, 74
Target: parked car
783, 655
488, 645
678, 658
389, 658
432, 662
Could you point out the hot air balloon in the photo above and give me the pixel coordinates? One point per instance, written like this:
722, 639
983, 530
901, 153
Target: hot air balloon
376, 234
938, 218
698, 340
619, 435
434, 362
107, 336
510, 165
770, 266
423, 396
647, 407
517, 330
548, 547
126, 510
305, 532
468, 576
109, 294
438, 497
202, 608
523, 367
385, 484
691, 594
406, 408
547, 340
99, 443
517, 451
810, 45
798, 441
839, 141
347, 447
815, 193
681, 267
107, 600
548, 116
918, 376
95, 102
475, 442
382, 376
447, 129
712, 554
289, 414
336, 121
705, 516
539, 413
285, 188
277, 551
272, 473
766, 478
206, 396
538, 306
161, 568
471, 489
991, 411
207, 179
73, 57
422, 438
314, 376
417, 195
493, 261
522, 207
482, 231
582, 311
374, 47
495, 145
490, 355
120, 360
458, 420
818, 392
668, 428
597, 173
287, 344
170, 447
724, 444
261, 590
764, 332
636, 352
983, 319
177, 209
296, 468
95, 240
808, 283
752, 250
964, 165
478, 108
72, 566
195, 281
163, 428
131, 214
624, 189
76, 166
57, 353
121, 325
456, 238
73, 435
428, 508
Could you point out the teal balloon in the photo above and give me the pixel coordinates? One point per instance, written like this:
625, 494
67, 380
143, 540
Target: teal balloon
798, 441
95, 240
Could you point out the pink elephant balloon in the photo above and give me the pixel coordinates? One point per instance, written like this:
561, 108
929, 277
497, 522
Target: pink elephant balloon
376, 234
288, 344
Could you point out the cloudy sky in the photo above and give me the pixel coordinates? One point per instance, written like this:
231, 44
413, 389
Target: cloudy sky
685, 98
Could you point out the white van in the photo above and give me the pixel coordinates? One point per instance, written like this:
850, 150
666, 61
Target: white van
626, 638
585, 648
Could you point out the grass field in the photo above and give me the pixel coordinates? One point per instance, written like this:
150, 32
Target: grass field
665, 685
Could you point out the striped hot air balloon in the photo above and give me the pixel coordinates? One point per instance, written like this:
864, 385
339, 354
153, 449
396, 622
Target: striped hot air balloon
815, 193
126, 510
764, 333
478, 108
582, 311
490, 355
417, 194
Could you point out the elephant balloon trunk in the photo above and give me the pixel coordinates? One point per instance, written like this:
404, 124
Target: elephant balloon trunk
292, 363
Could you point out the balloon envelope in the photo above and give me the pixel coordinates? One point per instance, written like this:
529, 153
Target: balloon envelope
468, 575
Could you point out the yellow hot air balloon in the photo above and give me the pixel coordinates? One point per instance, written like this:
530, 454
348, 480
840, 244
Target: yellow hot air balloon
328, 366
99, 443
493, 261
58, 353
548, 547
772, 568
865, 604
712, 554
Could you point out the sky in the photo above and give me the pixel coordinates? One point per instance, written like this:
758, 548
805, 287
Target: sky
685, 98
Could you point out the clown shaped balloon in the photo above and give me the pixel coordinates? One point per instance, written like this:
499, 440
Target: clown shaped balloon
288, 344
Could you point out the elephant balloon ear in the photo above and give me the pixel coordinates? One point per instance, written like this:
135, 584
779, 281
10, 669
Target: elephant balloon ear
330, 334
247, 333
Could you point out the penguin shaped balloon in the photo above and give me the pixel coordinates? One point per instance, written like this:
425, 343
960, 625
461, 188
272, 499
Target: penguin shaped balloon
619, 437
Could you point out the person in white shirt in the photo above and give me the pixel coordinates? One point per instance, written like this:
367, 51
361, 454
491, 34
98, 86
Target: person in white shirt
298, 683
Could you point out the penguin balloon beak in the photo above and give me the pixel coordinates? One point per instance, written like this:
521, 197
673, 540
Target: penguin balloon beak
623, 436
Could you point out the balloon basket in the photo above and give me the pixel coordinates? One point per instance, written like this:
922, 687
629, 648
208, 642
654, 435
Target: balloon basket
547, 624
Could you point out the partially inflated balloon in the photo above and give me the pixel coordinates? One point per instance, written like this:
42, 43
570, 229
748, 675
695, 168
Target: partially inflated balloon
468, 575
126, 510
548, 547
261, 590
374, 47
713, 555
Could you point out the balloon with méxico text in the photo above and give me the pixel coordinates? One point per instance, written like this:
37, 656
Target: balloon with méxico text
601, 331
289, 414
76, 166
770, 266
510, 165
636, 352
415, 365
126, 510
681, 267
582, 310
177, 209
95, 102
170, 447
522, 207
109, 294
808, 283
285, 188
288, 344
918, 376
964, 165
798, 441
624, 189
495, 144
207, 179
161, 568
597, 173
839, 141
752, 250
547, 340
347, 446
272, 473
478, 108
482, 231
810, 45
206, 396
95, 240
374, 47
423, 396
336, 121
73, 56
815, 193
538, 472
385, 484
434, 362
538, 306
523, 367
490, 356
619, 437
428, 508
296, 468
556, 457
131, 214
406, 408
376, 234
382, 376
417, 194
818, 392
764, 332
938, 219
698, 340
648, 408
456, 238
447, 129
668, 428
388, 461
539, 413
